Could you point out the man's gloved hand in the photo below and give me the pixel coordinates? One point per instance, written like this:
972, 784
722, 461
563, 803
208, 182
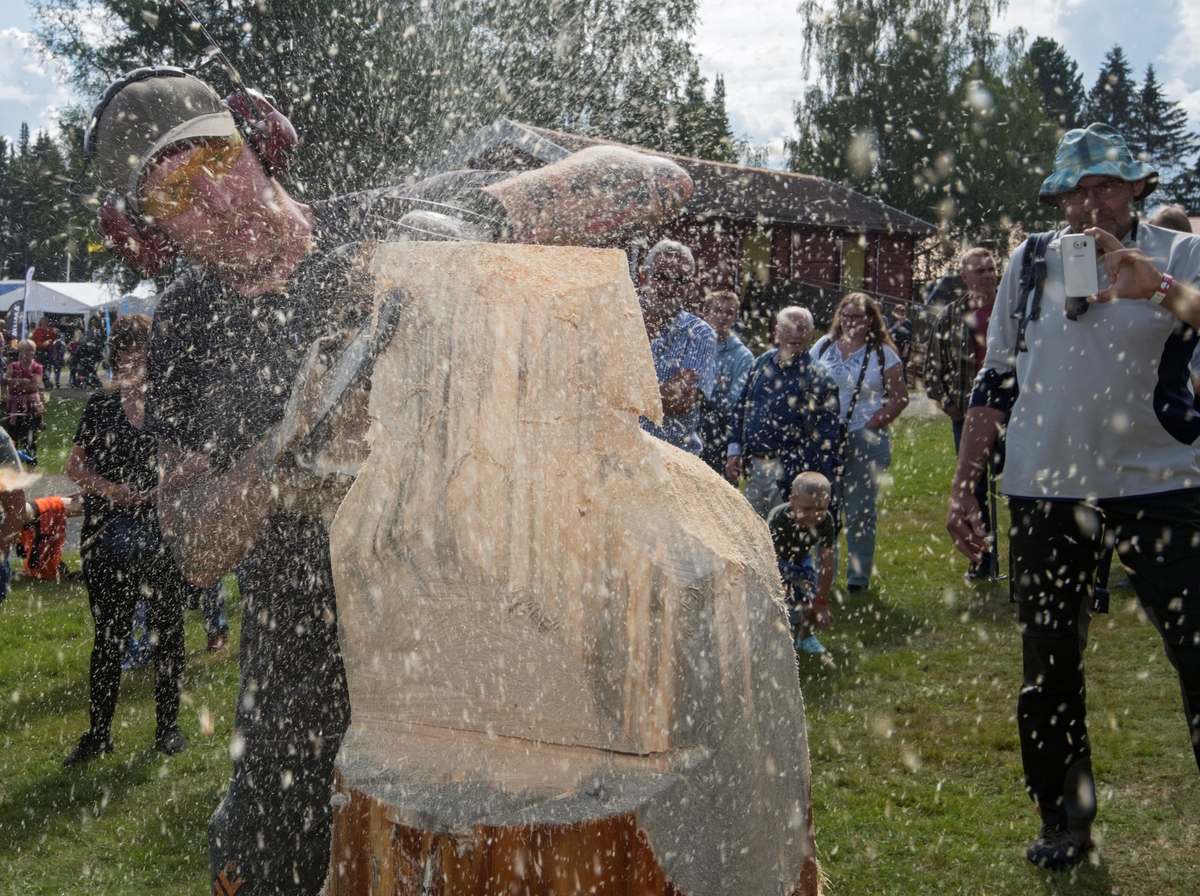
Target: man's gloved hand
313, 454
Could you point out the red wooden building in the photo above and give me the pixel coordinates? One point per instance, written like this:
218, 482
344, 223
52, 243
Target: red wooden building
775, 237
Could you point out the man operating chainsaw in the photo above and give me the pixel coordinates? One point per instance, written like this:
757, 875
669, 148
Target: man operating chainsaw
251, 348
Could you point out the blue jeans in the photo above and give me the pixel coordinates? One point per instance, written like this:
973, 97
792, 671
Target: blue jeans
761, 489
868, 455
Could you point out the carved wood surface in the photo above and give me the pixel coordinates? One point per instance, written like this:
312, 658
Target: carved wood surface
549, 618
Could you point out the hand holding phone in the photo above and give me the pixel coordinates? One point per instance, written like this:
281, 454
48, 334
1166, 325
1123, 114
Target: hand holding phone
1079, 265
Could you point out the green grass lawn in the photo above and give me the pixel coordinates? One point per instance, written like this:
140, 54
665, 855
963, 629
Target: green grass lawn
916, 773
62, 419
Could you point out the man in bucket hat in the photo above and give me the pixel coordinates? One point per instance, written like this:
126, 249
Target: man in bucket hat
191, 174
1102, 450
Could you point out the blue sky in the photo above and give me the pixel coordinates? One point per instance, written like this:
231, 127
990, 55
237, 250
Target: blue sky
29, 90
756, 45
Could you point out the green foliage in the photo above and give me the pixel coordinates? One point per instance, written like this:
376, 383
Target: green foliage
1060, 81
1160, 128
376, 87
1113, 99
919, 105
1185, 189
703, 130
41, 223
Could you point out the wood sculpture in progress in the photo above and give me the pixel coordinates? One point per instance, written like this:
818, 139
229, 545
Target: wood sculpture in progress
569, 664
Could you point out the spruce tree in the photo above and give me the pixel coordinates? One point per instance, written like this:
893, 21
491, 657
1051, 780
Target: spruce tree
1185, 190
723, 147
1060, 82
1113, 99
1160, 129
701, 126
6, 235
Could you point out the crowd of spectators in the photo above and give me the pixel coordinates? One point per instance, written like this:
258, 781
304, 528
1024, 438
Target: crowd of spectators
803, 429
797, 413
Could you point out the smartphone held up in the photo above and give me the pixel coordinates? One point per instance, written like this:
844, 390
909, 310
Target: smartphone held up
1079, 265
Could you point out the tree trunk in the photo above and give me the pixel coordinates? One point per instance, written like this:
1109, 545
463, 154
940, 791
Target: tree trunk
565, 641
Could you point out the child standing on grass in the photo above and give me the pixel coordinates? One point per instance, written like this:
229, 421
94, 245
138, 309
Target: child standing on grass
798, 526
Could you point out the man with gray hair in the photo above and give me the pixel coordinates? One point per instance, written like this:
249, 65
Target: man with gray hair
684, 347
787, 420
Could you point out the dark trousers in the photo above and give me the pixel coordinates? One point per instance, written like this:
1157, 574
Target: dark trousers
42, 356
271, 833
114, 588
24, 429
1054, 549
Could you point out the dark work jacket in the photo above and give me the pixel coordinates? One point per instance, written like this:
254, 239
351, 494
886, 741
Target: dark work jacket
791, 412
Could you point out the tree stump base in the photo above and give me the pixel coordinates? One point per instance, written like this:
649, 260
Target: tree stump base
375, 854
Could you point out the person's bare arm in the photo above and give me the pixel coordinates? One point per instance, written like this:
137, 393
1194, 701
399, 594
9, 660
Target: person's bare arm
212, 519
1134, 276
963, 520
81, 472
590, 195
897, 390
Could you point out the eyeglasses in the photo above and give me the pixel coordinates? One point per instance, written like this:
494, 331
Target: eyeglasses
851, 315
173, 195
1110, 189
667, 278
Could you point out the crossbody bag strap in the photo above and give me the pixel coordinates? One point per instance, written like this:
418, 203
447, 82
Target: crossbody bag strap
844, 433
1033, 279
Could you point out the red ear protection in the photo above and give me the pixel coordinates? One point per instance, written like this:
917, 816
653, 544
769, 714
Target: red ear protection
266, 128
147, 250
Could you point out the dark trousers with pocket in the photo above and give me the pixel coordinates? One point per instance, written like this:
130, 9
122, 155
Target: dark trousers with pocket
1054, 550
271, 834
115, 585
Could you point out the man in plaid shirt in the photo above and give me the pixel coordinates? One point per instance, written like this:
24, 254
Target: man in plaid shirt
957, 345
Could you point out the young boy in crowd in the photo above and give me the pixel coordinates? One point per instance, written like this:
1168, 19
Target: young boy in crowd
798, 526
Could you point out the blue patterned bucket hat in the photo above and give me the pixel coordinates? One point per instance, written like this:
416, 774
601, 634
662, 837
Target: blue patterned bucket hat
1096, 149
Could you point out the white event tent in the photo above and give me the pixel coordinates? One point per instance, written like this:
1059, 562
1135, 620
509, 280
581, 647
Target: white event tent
80, 298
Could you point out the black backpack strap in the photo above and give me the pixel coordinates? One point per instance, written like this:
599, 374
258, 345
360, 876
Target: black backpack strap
882, 377
1033, 278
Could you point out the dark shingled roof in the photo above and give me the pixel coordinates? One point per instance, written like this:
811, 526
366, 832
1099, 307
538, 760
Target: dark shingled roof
722, 190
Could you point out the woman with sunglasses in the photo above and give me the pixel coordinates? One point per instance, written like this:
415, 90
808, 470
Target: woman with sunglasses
870, 377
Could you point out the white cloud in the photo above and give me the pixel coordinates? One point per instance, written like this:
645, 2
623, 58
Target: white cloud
757, 45
29, 88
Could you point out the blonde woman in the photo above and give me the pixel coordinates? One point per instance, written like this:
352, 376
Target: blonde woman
863, 361
26, 415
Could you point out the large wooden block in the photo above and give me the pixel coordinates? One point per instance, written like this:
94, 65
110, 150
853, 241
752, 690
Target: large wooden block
550, 618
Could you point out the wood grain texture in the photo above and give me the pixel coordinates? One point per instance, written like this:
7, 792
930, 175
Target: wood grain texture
549, 618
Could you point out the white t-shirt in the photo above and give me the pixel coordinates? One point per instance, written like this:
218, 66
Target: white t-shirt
1090, 420
845, 373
